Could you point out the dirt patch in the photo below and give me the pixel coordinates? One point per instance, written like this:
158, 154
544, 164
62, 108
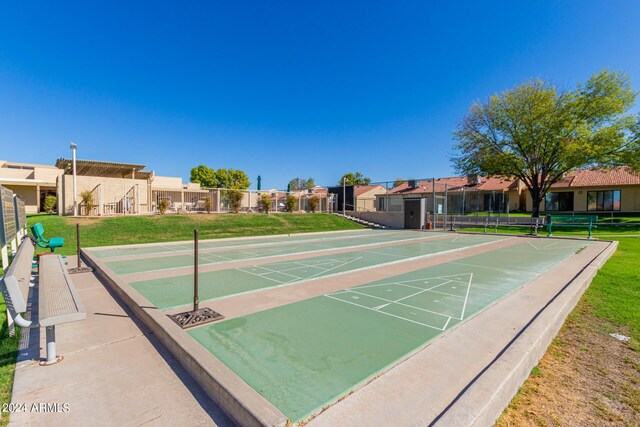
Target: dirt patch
586, 378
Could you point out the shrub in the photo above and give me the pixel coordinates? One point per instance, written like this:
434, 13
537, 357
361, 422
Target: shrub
265, 199
290, 203
314, 202
235, 199
208, 204
88, 201
163, 205
50, 203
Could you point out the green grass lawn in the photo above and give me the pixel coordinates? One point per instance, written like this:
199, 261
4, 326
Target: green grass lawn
8, 354
166, 228
147, 229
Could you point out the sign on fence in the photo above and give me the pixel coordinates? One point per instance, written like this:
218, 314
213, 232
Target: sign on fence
7, 217
20, 213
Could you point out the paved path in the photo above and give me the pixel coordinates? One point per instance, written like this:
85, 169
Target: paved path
114, 372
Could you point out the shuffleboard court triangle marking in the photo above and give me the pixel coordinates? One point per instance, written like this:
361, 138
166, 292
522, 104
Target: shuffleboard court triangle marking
327, 262
462, 278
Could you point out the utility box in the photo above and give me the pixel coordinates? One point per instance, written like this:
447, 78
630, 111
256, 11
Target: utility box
415, 211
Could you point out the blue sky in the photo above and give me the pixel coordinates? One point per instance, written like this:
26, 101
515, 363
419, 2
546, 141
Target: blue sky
284, 89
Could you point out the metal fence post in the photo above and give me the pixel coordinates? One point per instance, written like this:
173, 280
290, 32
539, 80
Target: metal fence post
433, 186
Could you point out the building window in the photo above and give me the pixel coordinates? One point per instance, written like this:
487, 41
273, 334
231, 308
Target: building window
395, 204
559, 201
381, 204
608, 200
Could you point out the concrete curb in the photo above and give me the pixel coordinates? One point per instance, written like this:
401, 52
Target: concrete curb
234, 396
508, 371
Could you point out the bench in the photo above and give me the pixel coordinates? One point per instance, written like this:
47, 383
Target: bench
38, 232
16, 282
58, 299
586, 221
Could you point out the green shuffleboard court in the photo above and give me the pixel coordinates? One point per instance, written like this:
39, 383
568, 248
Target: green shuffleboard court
217, 255
171, 292
172, 248
305, 355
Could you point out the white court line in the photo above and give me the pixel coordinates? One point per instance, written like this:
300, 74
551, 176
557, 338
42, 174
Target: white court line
466, 298
319, 266
257, 275
213, 258
304, 266
404, 282
387, 284
269, 271
534, 246
509, 270
382, 253
445, 293
299, 278
323, 263
424, 290
298, 267
446, 324
400, 303
338, 266
388, 314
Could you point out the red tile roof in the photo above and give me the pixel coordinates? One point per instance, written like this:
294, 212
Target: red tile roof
496, 184
600, 177
456, 183
594, 177
359, 190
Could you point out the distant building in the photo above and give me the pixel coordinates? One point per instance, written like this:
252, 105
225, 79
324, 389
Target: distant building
32, 182
588, 190
365, 197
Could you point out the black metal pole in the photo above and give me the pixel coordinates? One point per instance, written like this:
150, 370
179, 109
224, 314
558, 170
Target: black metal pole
195, 269
78, 242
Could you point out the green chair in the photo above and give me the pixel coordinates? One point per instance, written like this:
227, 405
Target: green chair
38, 232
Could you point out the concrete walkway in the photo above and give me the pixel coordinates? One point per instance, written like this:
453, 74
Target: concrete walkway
114, 372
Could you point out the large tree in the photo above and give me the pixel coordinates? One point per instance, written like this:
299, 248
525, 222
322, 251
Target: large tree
205, 176
233, 178
354, 179
221, 178
537, 133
